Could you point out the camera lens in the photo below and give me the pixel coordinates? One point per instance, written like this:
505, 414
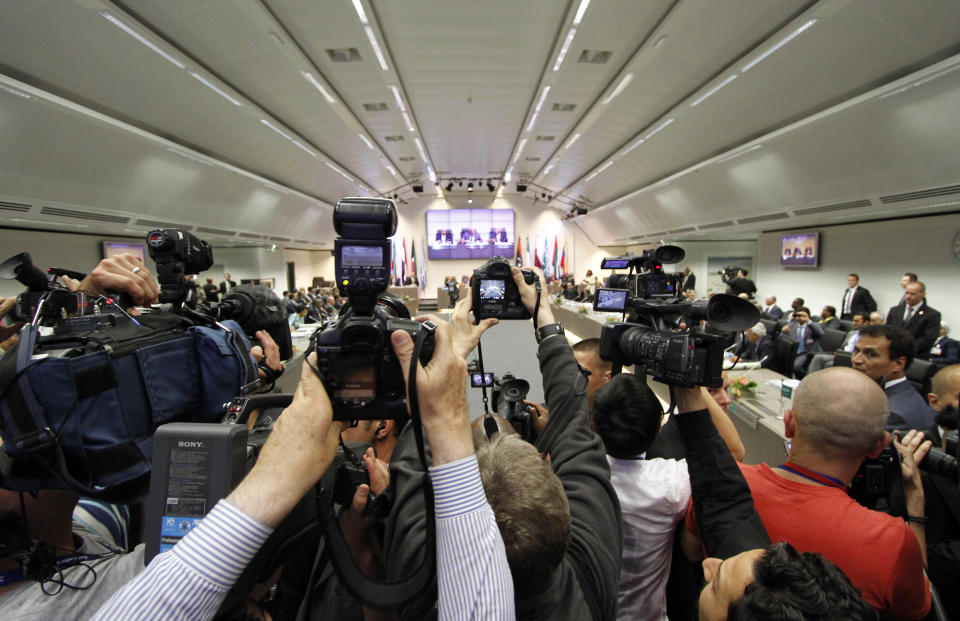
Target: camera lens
515, 389
939, 462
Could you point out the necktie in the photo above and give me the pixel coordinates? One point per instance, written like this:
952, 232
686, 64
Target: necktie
800, 338
909, 314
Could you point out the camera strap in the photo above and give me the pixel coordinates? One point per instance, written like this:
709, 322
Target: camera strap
370, 591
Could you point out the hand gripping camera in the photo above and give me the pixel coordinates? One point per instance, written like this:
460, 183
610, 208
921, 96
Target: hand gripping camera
494, 292
361, 373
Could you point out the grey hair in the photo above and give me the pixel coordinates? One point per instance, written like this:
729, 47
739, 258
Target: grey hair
759, 329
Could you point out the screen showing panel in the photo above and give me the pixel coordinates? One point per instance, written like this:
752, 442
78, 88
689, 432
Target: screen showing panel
800, 250
470, 233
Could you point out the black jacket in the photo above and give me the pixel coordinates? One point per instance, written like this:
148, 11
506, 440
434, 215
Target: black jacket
924, 325
584, 585
741, 285
862, 302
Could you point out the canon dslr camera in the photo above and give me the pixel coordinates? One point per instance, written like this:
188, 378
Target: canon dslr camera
360, 371
494, 292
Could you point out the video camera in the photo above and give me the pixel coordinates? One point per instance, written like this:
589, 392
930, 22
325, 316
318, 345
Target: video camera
494, 292
354, 356
729, 272
651, 337
53, 303
177, 253
507, 398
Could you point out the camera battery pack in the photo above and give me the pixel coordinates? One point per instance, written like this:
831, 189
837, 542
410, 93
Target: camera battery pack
194, 466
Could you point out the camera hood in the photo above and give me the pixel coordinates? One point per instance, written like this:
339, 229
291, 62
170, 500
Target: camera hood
726, 312
21, 267
514, 389
669, 254
365, 218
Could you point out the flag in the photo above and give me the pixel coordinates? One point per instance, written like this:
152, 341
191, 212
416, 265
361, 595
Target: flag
563, 258
547, 267
536, 254
393, 259
423, 267
519, 253
526, 255
556, 259
403, 265
413, 261
410, 269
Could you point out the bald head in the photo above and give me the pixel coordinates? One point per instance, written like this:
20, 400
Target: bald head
839, 412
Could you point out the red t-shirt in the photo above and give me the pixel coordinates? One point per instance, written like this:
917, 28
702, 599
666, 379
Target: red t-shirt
879, 553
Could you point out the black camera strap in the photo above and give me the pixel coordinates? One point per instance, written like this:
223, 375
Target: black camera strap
371, 591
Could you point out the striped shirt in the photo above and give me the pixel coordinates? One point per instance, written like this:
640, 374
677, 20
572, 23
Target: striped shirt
192, 580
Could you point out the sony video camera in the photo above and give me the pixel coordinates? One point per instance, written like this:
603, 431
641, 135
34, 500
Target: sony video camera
177, 253
361, 373
652, 338
494, 292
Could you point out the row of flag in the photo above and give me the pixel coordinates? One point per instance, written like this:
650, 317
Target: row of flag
407, 263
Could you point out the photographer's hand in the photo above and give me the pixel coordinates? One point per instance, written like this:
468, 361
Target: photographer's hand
441, 386
357, 528
7, 305
123, 273
466, 334
540, 414
528, 295
689, 399
299, 450
913, 448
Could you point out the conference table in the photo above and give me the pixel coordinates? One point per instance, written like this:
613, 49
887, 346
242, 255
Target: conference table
757, 417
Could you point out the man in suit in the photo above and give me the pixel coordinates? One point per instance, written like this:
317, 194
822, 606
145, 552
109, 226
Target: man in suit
807, 334
828, 318
226, 285
917, 318
906, 279
770, 308
759, 346
689, 280
946, 350
856, 299
824, 360
884, 353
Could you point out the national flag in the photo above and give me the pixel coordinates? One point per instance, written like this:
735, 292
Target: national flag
536, 255
556, 259
563, 258
547, 267
423, 267
413, 260
519, 253
526, 255
403, 266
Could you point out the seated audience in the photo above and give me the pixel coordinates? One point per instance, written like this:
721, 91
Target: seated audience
876, 319
759, 346
828, 318
837, 419
824, 360
884, 353
770, 308
807, 334
797, 303
945, 350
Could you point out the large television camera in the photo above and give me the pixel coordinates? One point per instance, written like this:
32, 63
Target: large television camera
494, 292
354, 356
507, 398
661, 335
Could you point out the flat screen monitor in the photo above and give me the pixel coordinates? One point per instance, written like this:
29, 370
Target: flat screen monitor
800, 250
111, 249
470, 233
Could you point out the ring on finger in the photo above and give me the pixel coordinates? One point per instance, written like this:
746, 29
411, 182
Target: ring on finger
136, 269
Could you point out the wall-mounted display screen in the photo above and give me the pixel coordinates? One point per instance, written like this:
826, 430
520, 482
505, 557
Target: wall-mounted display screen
800, 250
470, 233
111, 249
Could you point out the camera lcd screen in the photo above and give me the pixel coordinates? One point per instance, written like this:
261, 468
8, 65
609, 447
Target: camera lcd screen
361, 256
657, 284
615, 264
494, 289
611, 299
360, 384
481, 379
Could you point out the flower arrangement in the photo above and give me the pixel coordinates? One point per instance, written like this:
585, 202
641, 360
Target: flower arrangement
405, 298
743, 385
582, 309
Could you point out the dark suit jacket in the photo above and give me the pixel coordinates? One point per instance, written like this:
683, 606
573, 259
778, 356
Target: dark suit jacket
949, 351
924, 326
689, 282
775, 312
908, 410
833, 323
765, 347
862, 302
223, 286
811, 335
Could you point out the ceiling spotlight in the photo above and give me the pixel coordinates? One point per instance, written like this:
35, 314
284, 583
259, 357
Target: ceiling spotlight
470, 187
521, 187
490, 187
543, 194
395, 197
461, 183
449, 187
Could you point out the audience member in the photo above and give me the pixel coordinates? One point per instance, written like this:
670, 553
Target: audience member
226, 284
689, 280
913, 314
740, 284
211, 292
884, 353
797, 303
906, 279
828, 318
770, 308
690, 294
653, 493
759, 346
856, 299
945, 350
838, 419
560, 519
824, 360
806, 334
876, 319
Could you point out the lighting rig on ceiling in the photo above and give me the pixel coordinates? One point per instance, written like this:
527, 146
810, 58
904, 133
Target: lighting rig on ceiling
471, 184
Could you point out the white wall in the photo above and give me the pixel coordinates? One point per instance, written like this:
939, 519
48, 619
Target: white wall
880, 252
698, 252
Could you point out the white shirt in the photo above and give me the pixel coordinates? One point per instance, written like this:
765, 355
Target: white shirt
653, 494
848, 300
889, 383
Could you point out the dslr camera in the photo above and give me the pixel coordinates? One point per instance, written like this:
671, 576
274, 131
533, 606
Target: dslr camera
354, 356
494, 292
651, 338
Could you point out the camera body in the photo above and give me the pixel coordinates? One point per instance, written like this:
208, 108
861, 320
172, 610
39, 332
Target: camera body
652, 338
360, 370
494, 292
177, 253
729, 272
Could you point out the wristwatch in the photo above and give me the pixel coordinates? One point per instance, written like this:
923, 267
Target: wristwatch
548, 330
